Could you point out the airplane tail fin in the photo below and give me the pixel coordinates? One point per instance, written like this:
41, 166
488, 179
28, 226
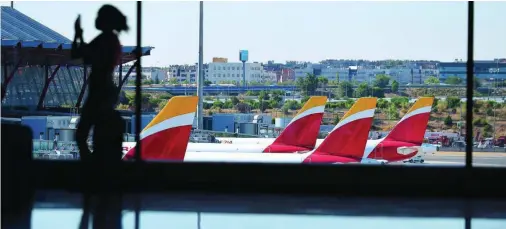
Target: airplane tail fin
303, 130
349, 136
166, 136
411, 128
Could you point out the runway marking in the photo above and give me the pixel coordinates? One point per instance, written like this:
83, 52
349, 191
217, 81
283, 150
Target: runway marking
463, 154
433, 164
487, 165
443, 162
427, 163
475, 154
436, 163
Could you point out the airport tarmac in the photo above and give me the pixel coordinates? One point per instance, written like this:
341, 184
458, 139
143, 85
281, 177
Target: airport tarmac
481, 159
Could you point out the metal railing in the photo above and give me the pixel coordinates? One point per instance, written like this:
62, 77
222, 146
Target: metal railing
53, 155
44, 145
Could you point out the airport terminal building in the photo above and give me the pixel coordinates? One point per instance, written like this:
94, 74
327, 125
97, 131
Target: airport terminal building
37, 71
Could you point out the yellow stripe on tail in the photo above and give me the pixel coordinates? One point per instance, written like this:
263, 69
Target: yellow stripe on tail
177, 105
314, 101
362, 104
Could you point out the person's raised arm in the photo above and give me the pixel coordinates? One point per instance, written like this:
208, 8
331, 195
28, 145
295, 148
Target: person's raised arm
79, 48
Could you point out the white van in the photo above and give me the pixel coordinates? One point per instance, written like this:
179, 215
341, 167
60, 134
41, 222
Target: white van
415, 159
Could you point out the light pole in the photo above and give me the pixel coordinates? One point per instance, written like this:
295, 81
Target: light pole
493, 109
490, 89
200, 79
244, 74
243, 57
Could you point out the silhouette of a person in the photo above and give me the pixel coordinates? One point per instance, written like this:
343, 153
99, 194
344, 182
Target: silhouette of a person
103, 54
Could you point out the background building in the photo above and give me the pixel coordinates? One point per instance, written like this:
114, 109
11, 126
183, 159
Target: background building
219, 72
220, 60
286, 75
148, 73
268, 77
182, 73
403, 74
488, 70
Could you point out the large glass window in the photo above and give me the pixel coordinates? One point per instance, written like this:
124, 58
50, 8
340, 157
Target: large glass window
384, 93
45, 91
490, 76
409, 98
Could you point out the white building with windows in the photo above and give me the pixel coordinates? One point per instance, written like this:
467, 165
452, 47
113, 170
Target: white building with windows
325, 71
332, 73
148, 73
183, 73
403, 75
232, 72
359, 74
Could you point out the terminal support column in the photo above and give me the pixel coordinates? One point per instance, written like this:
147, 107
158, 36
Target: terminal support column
83, 88
46, 85
9, 77
120, 73
123, 81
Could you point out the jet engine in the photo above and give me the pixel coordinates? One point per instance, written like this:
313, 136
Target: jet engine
406, 150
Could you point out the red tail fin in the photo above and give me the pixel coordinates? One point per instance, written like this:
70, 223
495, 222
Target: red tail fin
349, 137
303, 130
166, 136
411, 128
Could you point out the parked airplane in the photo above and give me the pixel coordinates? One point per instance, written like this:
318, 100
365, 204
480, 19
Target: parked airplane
307, 122
405, 139
168, 132
344, 144
299, 135
403, 142
266, 141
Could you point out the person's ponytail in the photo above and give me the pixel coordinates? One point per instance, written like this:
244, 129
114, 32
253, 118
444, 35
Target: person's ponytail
121, 24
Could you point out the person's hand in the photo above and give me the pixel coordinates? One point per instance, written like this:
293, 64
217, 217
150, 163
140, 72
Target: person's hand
77, 26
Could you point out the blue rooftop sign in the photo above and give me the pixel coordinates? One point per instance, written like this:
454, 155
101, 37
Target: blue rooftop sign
243, 55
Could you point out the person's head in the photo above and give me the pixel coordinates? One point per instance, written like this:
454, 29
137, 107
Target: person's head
109, 18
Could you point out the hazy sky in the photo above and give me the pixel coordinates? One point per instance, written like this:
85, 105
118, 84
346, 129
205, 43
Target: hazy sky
283, 31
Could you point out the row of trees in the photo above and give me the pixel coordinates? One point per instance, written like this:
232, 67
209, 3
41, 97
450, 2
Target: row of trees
313, 85
150, 101
174, 81
443, 110
309, 85
274, 100
452, 80
485, 114
154, 101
